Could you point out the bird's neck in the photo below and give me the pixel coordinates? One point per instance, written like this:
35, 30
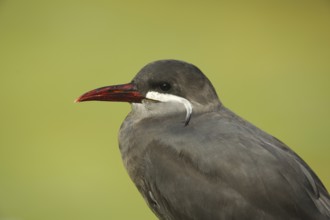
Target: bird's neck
150, 109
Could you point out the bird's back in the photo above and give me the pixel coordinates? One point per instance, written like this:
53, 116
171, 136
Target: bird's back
232, 171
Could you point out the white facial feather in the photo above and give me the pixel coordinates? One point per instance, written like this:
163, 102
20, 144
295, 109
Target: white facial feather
161, 97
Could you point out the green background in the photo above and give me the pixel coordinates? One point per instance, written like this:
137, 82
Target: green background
269, 61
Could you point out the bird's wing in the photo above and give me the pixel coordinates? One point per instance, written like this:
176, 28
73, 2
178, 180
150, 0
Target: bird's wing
231, 176
310, 182
179, 189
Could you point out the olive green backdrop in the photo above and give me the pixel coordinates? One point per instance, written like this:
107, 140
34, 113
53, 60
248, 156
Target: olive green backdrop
269, 61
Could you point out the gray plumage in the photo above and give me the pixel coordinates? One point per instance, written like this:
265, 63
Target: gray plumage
218, 166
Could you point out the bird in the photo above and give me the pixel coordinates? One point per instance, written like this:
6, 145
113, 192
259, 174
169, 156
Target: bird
192, 158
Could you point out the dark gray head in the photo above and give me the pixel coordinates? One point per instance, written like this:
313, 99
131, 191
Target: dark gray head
163, 87
177, 78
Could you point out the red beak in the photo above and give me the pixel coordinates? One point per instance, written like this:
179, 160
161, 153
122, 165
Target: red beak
118, 93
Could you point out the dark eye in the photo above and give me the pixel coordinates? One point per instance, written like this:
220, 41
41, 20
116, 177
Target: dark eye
164, 86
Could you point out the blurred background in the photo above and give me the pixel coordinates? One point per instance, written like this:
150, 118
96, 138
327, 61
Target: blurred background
269, 61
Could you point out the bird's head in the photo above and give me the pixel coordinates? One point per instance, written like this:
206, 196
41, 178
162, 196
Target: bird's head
163, 87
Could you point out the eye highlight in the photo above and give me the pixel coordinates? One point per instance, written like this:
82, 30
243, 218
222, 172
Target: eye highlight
164, 86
